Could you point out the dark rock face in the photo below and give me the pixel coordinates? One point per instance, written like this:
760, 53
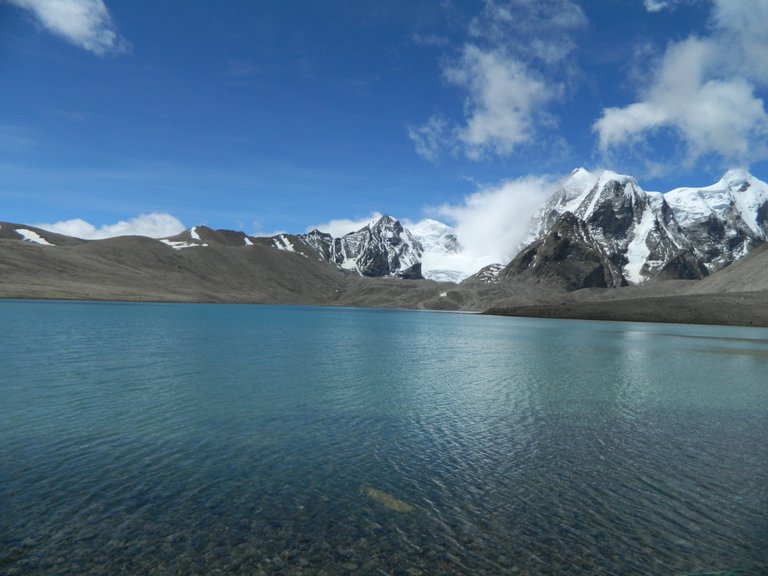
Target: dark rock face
615, 210
412, 273
567, 256
685, 265
762, 218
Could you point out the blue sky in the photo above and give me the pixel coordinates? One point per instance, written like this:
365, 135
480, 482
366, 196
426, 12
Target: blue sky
281, 114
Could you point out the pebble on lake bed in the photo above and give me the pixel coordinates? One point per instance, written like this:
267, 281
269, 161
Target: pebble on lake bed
386, 499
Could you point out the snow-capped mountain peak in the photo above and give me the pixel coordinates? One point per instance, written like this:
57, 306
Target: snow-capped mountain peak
435, 236
725, 220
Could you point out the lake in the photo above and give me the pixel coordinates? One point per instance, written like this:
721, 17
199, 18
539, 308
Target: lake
237, 439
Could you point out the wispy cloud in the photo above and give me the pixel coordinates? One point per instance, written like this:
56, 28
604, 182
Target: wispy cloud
241, 69
85, 23
340, 227
154, 225
430, 138
658, 5
703, 91
430, 40
513, 65
14, 137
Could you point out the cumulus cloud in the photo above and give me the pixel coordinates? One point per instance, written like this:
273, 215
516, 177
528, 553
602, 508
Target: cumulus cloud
512, 67
85, 23
703, 90
154, 225
342, 226
491, 223
504, 99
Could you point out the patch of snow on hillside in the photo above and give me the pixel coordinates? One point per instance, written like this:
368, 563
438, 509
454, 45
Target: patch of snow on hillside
638, 251
248, 241
350, 264
282, 243
180, 244
193, 233
31, 236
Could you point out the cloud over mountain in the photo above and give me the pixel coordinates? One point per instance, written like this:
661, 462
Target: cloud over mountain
154, 225
492, 222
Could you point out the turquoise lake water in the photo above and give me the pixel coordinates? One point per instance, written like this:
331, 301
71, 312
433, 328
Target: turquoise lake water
228, 439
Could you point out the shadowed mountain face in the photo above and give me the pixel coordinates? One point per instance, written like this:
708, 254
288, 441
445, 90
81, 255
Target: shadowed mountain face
566, 256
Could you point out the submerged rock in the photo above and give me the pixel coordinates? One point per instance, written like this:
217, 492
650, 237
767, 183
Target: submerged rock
386, 499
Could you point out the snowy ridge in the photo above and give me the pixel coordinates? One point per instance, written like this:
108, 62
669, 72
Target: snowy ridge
181, 244
725, 220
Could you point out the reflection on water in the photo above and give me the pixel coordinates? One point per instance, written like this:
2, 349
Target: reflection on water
174, 439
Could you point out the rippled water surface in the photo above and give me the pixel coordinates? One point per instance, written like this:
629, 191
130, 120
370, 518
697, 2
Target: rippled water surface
216, 439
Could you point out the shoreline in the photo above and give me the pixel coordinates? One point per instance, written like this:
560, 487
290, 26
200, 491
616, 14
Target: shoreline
744, 309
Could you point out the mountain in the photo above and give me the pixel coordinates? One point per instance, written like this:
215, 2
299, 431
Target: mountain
604, 230
382, 248
724, 221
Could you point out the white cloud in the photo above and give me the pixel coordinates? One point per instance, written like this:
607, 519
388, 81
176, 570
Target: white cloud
339, 227
491, 223
430, 139
740, 37
85, 23
703, 90
658, 5
514, 66
154, 225
504, 98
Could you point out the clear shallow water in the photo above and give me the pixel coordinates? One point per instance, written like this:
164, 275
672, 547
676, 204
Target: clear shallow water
197, 439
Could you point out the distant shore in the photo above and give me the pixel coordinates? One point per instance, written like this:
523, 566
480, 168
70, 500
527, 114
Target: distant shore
730, 309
